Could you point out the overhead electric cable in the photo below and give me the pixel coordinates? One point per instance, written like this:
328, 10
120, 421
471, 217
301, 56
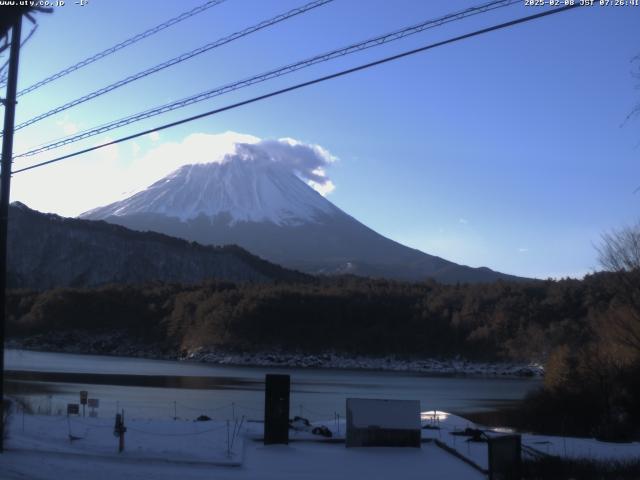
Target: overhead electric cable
176, 60
3, 69
199, 97
306, 84
130, 41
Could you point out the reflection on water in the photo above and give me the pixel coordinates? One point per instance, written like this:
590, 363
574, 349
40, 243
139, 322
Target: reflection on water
152, 388
19, 388
158, 381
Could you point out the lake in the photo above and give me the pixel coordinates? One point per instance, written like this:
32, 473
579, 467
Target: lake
161, 389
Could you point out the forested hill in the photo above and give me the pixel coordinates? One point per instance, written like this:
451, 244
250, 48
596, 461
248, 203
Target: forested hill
519, 321
47, 251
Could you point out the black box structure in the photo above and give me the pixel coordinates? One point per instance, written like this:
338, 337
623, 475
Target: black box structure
505, 457
276, 409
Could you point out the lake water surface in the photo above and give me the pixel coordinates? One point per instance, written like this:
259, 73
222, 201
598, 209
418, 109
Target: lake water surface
161, 389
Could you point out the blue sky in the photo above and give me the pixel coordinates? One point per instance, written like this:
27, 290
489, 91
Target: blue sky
509, 150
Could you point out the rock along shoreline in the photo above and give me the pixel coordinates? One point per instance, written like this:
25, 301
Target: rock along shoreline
116, 344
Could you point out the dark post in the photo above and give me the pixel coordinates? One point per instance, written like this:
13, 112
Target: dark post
84, 395
5, 185
276, 409
123, 429
505, 457
119, 430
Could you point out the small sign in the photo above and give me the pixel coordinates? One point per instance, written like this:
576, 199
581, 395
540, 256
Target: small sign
73, 409
83, 397
93, 402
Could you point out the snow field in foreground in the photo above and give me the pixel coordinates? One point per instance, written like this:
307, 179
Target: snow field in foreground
477, 452
167, 449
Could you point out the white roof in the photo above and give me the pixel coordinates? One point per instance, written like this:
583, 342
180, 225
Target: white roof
394, 414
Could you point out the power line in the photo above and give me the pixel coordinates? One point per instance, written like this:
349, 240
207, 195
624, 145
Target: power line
3, 68
176, 60
130, 41
306, 84
364, 45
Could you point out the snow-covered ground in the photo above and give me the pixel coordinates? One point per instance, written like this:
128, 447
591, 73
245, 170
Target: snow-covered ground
446, 424
39, 447
198, 450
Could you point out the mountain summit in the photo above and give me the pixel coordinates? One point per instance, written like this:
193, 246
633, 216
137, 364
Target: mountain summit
245, 191
261, 205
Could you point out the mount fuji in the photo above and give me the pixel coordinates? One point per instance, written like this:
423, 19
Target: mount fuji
264, 207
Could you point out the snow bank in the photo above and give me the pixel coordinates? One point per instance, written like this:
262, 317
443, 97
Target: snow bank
165, 450
168, 449
443, 426
169, 440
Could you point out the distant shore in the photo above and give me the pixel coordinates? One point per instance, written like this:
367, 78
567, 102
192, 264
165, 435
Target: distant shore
429, 366
116, 344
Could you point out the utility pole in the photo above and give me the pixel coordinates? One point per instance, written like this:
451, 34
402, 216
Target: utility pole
5, 190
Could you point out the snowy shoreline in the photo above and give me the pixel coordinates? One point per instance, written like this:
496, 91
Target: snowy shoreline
117, 345
358, 362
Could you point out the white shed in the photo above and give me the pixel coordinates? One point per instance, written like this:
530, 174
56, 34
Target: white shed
383, 423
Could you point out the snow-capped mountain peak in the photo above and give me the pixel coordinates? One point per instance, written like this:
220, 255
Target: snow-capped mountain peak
254, 199
247, 191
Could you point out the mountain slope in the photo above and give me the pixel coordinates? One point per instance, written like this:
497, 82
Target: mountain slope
245, 191
47, 251
268, 210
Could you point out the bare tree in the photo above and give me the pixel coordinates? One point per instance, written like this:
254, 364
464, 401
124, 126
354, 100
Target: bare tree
619, 252
620, 249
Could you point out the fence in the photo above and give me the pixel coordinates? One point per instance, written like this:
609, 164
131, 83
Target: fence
56, 405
